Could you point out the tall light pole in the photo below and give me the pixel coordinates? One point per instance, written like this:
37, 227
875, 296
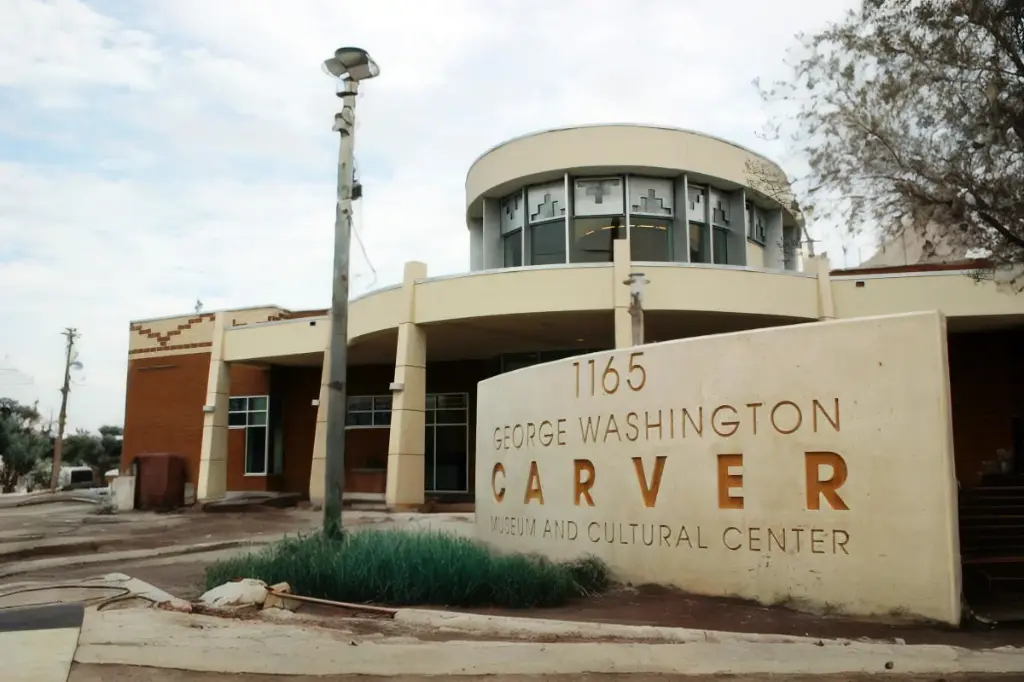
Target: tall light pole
350, 65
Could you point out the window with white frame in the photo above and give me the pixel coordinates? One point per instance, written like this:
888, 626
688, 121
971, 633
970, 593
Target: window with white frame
599, 207
368, 411
512, 214
250, 413
577, 220
719, 205
651, 217
699, 229
545, 215
757, 223
446, 438
446, 455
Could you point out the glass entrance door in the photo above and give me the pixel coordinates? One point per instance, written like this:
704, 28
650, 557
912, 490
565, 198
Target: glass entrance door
446, 458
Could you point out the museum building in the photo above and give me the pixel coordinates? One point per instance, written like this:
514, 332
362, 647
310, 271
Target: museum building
558, 222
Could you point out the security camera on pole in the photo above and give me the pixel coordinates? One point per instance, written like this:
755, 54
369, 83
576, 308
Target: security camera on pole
350, 65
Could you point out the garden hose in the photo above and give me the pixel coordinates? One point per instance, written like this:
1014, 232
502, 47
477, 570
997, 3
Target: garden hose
99, 602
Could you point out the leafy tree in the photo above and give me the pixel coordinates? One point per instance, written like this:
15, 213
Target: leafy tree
910, 113
102, 452
23, 442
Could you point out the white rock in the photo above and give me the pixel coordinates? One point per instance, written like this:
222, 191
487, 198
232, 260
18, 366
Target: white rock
278, 614
241, 593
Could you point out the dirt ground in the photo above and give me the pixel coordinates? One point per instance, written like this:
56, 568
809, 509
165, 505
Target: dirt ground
656, 605
649, 605
64, 529
106, 673
183, 576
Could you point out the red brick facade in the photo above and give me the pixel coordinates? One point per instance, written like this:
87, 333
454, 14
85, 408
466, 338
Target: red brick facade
163, 411
165, 396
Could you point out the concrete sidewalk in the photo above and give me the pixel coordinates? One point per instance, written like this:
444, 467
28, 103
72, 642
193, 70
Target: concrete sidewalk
37, 644
144, 637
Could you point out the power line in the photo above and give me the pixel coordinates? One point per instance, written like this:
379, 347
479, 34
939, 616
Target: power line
359, 239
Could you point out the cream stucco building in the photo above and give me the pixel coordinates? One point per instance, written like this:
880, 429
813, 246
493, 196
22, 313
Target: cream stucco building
558, 221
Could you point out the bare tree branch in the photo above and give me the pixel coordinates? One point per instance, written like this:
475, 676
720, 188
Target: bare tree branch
910, 114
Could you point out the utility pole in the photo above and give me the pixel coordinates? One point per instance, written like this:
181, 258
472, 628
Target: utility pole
58, 446
350, 65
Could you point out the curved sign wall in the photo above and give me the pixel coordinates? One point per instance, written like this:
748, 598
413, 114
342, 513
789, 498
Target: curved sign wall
806, 464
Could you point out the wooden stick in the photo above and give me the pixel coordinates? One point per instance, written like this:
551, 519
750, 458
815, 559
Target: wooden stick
340, 604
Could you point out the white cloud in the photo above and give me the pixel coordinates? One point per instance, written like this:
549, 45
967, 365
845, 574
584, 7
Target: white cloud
152, 153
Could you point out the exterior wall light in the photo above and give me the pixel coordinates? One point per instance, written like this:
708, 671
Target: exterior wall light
351, 63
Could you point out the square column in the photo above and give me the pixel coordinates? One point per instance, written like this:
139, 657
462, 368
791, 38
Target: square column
318, 465
621, 266
213, 454
407, 436
819, 266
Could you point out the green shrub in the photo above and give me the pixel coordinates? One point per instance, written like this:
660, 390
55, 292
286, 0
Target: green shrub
406, 568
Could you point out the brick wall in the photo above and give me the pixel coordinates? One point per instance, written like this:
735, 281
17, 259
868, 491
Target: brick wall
246, 380
164, 399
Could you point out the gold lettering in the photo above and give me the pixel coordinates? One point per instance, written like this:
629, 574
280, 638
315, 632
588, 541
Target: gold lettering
632, 426
731, 423
611, 427
499, 494
546, 432
836, 543
520, 429
582, 488
799, 417
666, 535
728, 482
649, 492
636, 367
754, 539
649, 425
698, 425
753, 414
610, 371
834, 422
683, 536
590, 431
725, 540
817, 539
817, 488
533, 488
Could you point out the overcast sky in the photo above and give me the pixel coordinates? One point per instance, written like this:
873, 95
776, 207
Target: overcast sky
155, 152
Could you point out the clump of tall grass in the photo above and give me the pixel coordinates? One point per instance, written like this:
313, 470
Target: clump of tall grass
407, 568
